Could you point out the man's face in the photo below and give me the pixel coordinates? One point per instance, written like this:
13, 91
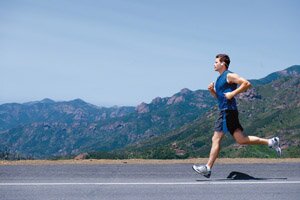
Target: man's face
218, 64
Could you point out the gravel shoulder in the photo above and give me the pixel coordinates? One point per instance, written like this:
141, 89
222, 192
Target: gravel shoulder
150, 161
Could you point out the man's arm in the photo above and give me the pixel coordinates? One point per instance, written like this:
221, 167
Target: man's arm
211, 88
234, 78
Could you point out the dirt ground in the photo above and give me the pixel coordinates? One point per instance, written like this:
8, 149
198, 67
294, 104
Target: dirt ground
141, 161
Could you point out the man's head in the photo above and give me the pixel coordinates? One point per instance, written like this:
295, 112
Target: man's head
224, 58
221, 61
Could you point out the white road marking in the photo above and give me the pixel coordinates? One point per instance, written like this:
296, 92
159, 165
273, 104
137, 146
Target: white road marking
156, 183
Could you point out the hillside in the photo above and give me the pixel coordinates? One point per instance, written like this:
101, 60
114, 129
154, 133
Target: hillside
46, 128
171, 127
14, 115
291, 71
270, 108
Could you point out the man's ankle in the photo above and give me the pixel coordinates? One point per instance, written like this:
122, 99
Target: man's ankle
208, 167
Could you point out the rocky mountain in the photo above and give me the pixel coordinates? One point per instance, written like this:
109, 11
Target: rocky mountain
47, 128
172, 127
270, 108
48, 111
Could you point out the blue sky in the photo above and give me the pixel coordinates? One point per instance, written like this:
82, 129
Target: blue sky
124, 52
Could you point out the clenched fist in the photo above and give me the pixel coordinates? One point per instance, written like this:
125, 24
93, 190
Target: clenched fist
211, 87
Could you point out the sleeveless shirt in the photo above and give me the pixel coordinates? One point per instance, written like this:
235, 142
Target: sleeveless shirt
221, 87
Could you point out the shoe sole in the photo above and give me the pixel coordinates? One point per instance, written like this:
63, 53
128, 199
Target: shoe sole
205, 175
278, 149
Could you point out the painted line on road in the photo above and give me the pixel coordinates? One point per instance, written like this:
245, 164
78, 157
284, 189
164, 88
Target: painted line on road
154, 183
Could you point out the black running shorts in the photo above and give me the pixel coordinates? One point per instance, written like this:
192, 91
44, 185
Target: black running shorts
228, 121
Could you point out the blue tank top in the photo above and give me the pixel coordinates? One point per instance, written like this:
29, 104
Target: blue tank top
222, 86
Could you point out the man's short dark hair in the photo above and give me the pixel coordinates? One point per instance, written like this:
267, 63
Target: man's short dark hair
224, 58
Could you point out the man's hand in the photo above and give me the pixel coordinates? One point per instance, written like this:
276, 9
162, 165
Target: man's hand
228, 95
211, 89
234, 78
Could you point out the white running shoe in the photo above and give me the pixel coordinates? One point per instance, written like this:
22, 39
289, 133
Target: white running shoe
202, 169
274, 143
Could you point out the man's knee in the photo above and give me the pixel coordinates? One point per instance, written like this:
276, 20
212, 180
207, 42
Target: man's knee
217, 137
240, 138
241, 141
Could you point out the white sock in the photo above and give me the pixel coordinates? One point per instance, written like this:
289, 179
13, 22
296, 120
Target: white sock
208, 168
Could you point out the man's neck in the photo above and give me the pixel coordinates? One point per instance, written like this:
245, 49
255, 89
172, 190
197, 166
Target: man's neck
222, 70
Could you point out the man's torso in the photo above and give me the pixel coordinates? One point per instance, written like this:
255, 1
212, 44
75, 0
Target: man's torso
222, 87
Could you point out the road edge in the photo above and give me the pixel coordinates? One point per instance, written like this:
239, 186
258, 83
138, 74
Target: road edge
148, 161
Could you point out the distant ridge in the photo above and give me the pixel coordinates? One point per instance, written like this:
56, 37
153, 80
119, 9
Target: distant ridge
179, 126
291, 71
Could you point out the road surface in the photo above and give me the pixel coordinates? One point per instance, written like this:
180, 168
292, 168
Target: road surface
149, 181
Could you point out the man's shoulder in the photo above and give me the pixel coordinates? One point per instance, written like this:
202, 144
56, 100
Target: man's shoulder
230, 76
229, 72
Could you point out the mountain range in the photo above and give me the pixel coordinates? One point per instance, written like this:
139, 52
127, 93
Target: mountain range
46, 128
172, 127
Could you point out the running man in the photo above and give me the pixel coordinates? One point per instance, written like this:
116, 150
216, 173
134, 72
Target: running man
225, 90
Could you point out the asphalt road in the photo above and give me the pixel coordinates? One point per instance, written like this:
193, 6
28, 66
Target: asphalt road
167, 181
